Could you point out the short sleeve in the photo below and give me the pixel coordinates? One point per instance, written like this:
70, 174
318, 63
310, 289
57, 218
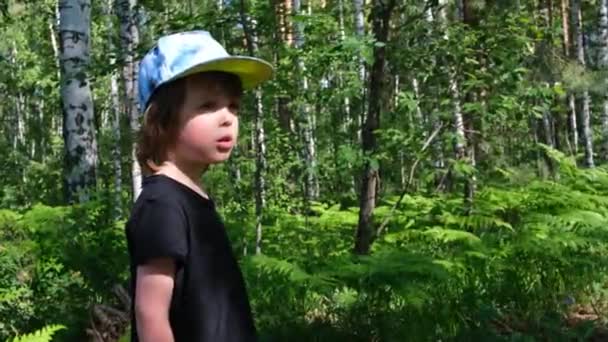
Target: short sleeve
158, 231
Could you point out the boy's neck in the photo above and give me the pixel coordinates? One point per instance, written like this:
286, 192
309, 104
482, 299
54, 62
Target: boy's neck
190, 177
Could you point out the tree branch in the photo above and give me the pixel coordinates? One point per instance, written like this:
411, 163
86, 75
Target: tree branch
409, 181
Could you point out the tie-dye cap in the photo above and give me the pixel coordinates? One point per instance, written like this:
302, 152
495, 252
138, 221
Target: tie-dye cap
186, 53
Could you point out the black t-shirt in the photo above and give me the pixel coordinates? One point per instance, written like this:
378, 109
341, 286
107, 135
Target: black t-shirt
209, 301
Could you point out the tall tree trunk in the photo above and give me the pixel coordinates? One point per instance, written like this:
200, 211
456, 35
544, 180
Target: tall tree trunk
347, 120
312, 182
360, 33
114, 113
19, 111
434, 118
282, 36
460, 142
572, 126
583, 99
78, 127
603, 65
466, 16
259, 139
54, 29
380, 16
129, 38
545, 124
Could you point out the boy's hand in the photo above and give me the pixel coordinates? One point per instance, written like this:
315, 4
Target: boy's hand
155, 281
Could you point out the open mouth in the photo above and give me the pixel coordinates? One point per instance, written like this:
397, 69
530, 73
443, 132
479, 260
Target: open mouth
225, 139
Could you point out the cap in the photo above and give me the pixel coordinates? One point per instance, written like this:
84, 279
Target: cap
185, 53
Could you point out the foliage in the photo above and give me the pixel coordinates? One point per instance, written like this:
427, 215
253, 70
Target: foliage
43, 335
519, 259
54, 259
511, 265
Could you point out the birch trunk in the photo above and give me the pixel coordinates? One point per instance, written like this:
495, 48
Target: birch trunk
572, 126
54, 28
78, 128
282, 36
129, 38
583, 99
113, 115
312, 183
461, 141
259, 138
381, 15
360, 33
603, 65
347, 120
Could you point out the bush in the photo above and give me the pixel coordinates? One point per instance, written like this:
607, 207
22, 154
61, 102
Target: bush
55, 262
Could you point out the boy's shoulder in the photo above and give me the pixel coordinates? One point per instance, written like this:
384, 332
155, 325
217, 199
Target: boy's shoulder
158, 192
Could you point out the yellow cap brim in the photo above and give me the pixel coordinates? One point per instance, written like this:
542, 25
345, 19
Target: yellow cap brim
252, 71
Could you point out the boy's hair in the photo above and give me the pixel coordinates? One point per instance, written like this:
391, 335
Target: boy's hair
161, 119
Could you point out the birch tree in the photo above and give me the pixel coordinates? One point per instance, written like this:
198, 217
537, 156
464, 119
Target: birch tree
460, 139
78, 128
360, 33
259, 139
583, 100
114, 111
129, 38
572, 124
311, 181
603, 64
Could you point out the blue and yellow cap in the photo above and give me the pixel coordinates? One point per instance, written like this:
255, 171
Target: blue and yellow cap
186, 53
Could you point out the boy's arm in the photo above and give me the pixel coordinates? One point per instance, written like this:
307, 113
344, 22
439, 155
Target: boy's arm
155, 281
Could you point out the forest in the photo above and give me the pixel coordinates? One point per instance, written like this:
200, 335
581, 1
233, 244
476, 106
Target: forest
422, 170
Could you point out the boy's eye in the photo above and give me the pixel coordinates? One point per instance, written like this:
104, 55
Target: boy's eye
207, 105
234, 107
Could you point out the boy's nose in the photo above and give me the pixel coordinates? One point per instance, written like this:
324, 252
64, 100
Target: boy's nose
227, 117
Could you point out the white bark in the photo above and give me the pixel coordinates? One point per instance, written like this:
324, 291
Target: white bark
79, 131
54, 28
584, 99
360, 33
129, 38
573, 123
347, 123
573, 138
603, 65
113, 112
419, 117
260, 161
312, 184
259, 140
460, 142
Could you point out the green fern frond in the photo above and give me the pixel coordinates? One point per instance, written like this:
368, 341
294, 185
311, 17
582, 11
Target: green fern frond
393, 266
269, 265
43, 335
452, 235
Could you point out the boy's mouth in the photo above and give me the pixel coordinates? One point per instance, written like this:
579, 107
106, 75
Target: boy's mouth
225, 139
224, 143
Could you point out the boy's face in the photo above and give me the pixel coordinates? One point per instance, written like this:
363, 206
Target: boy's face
209, 124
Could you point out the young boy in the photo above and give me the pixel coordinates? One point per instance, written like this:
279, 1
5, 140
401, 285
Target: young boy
185, 281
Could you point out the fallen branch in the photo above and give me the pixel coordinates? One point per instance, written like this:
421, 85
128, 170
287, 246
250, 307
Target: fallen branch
409, 181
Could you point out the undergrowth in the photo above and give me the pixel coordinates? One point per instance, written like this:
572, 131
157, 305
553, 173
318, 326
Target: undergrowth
514, 267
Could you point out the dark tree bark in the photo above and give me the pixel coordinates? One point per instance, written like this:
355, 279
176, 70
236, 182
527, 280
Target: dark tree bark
380, 16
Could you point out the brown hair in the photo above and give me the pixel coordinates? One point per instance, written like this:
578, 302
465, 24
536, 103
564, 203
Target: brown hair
161, 118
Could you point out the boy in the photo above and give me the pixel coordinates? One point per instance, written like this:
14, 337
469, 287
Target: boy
185, 281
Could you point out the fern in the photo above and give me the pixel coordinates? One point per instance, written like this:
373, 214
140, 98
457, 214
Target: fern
272, 266
43, 335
